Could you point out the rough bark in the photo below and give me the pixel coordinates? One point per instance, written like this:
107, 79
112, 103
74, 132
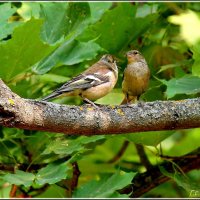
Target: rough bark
88, 120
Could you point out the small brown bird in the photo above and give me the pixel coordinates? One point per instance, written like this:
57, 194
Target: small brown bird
136, 77
94, 83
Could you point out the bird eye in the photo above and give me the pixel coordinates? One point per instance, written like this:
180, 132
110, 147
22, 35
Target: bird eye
135, 52
110, 59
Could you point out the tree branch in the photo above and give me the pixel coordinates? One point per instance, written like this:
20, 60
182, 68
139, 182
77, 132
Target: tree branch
143, 157
88, 120
120, 152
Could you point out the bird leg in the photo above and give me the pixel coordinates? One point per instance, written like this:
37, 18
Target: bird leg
131, 100
90, 102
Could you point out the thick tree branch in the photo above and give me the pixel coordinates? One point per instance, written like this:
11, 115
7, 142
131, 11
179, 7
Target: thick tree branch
88, 120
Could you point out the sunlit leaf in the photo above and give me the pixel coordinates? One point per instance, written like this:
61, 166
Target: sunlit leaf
196, 56
29, 10
190, 25
6, 11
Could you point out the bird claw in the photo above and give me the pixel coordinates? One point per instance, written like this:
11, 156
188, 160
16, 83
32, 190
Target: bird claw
87, 101
141, 104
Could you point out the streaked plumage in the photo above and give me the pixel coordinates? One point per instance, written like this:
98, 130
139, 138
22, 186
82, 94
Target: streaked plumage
93, 83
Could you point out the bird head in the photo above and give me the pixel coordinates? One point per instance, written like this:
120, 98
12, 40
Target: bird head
108, 58
134, 56
110, 61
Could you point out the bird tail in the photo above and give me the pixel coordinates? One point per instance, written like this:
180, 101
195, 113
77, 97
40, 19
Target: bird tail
51, 96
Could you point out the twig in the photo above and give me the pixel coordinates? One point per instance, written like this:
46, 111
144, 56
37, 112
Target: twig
144, 182
120, 152
76, 174
143, 157
13, 191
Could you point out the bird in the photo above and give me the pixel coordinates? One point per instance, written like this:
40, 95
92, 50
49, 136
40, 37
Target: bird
92, 84
135, 77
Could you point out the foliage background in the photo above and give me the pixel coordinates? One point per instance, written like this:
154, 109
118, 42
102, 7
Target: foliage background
42, 45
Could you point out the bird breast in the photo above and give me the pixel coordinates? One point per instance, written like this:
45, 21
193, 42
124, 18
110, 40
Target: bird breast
136, 78
102, 89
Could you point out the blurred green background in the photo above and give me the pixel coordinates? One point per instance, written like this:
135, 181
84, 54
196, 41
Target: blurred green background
42, 45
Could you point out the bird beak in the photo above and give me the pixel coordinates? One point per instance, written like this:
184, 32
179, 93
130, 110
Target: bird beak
128, 55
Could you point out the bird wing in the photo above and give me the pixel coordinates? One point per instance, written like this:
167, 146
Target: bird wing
83, 82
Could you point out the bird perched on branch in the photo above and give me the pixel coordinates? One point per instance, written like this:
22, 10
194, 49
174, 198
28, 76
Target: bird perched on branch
94, 83
135, 78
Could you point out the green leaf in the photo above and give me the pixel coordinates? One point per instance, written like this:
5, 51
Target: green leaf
64, 19
39, 141
118, 195
81, 51
150, 138
52, 173
67, 147
181, 179
184, 63
56, 21
61, 146
115, 32
106, 186
29, 10
5, 13
20, 178
186, 85
98, 9
146, 9
71, 51
12, 133
25, 48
